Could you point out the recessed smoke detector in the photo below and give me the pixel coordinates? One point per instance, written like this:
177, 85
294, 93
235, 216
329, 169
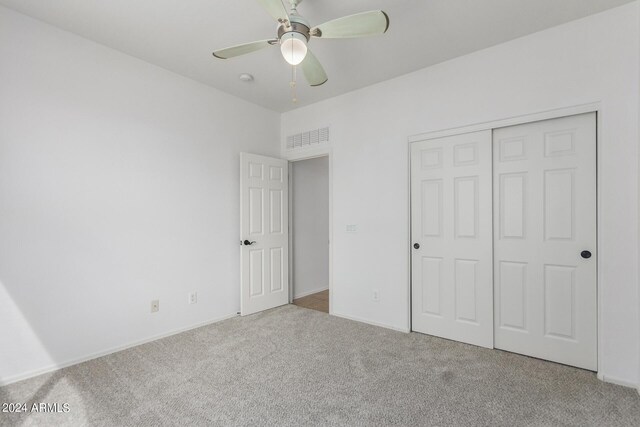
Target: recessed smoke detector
245, 77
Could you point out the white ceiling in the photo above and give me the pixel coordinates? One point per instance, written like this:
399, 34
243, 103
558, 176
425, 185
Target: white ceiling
180, 36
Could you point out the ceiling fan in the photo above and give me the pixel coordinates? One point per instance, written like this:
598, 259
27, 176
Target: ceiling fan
294, 32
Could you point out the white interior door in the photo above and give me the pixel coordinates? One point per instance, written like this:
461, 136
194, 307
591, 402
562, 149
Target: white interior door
545, 217
264, 237
451, 228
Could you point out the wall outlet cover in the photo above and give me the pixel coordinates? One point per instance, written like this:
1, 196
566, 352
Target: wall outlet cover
193, 298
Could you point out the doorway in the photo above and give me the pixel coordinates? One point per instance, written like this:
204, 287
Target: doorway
309, 233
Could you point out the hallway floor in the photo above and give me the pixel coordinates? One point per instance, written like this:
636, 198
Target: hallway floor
319, 301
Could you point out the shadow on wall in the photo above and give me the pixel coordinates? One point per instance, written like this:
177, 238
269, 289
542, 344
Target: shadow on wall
29, 405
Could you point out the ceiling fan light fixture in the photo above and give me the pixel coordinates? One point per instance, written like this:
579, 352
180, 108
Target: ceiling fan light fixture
293, 46
294, 32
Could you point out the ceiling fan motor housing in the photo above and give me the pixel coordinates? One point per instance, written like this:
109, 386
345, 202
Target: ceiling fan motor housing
296, 24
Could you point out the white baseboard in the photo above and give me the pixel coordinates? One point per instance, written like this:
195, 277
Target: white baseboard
370, 322
57, 366
617, 381
304, 294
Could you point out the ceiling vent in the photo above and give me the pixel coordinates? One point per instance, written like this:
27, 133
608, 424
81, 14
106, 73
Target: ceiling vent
312, 138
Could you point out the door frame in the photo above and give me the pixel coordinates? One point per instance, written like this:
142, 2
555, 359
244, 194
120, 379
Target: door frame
594, 107
293, 159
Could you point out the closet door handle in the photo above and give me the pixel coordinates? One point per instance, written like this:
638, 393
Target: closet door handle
585, 254
416, 246
247, 243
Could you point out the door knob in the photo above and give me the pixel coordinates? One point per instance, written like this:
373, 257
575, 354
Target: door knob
416, 246
248, 243
585, 254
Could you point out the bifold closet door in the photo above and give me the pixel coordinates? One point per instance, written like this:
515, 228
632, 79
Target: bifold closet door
545, 240
451, 228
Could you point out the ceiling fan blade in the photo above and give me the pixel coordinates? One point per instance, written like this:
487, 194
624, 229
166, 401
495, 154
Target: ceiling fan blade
313, 71
358, 25
275, 9
241, 49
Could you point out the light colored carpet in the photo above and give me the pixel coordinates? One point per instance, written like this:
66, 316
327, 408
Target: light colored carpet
297, 367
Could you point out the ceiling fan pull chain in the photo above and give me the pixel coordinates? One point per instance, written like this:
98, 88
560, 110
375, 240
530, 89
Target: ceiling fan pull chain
294, 97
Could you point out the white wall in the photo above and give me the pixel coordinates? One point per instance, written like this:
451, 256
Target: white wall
118, 185
595, 59
310, 226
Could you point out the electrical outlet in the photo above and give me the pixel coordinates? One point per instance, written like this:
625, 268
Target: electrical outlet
193, 298
155, 306
376, 295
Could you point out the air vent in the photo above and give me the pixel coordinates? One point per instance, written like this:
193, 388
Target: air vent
308, 139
